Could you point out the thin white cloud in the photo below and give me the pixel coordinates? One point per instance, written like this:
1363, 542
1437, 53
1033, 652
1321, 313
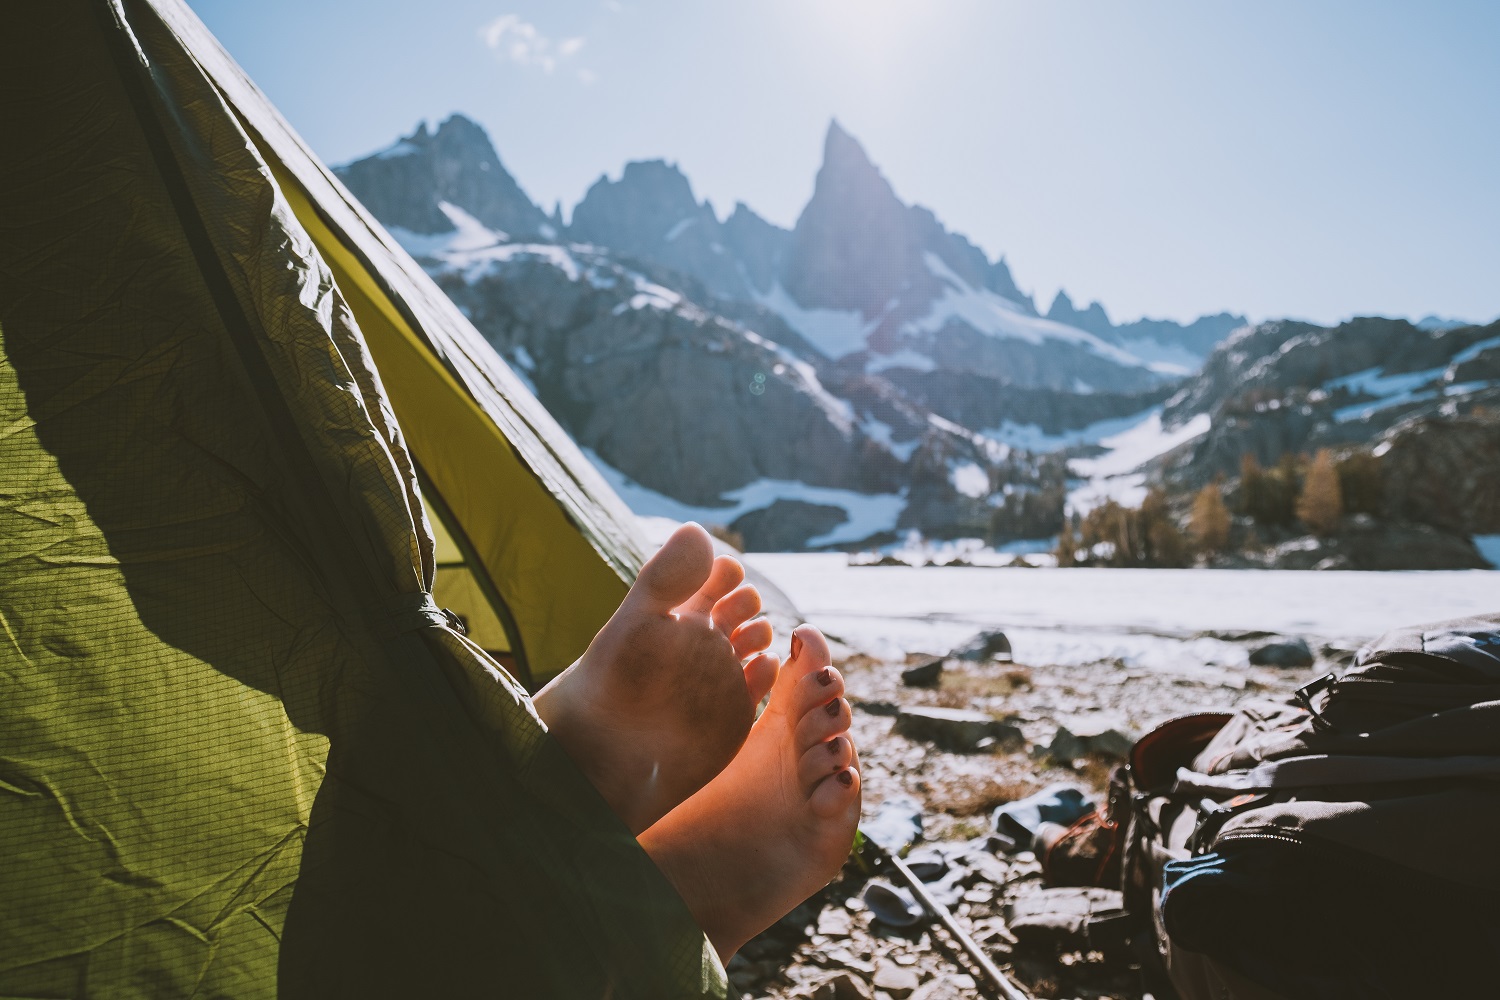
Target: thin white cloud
522, 43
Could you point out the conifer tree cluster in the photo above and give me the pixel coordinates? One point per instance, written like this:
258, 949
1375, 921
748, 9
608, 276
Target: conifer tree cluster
1115, 535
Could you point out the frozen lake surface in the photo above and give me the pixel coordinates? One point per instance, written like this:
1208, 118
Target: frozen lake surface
1084, 615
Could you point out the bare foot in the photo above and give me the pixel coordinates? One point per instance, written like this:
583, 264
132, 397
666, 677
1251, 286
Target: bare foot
663, 697
776, 825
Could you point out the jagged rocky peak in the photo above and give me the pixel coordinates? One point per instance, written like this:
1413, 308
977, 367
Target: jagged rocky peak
858, 246
855, 245
1093, 319
651, 201
405, 183
651, 213
760, 246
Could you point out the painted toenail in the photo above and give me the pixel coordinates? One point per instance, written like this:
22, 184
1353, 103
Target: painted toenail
825, 676
832, 708
796, 645
846, 777
833, 746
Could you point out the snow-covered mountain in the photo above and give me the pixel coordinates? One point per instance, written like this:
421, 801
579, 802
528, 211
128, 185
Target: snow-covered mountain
1411, 414
1166, 344
864, 373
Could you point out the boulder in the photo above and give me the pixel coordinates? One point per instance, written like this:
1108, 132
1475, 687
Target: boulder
899, 982
926, 674
1283, 653
892, 905
1103, 741
983, 647
1065, 918
896, 825
955, 729
835, 921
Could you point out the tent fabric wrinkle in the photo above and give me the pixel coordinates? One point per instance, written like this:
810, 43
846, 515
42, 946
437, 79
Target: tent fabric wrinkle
242, 751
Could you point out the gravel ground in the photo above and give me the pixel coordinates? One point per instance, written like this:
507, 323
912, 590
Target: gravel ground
832, 947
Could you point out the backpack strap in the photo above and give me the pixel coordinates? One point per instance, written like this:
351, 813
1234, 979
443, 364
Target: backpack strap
1328, 769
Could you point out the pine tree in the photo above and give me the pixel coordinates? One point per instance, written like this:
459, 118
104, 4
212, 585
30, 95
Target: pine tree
1321, 503
1208, 524
1252, 484
1361, 483
1162, 542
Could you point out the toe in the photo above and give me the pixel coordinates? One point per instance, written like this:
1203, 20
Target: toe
736, 609
828, 757
824, 722
726, 574
835, 795
809, 655
752, 637
815, 690
760, 675
677, 571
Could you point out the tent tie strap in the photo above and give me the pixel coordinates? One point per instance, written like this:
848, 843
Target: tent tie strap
409, 612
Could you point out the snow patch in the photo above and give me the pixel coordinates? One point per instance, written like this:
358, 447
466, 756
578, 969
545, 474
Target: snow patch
397, 150
1165, 359
649, 295
880, 432
680, 228
970, 480
996, 316
834, 332
1115, 474
838, 410
1404, 388
865, 514
904, 358
1033, 438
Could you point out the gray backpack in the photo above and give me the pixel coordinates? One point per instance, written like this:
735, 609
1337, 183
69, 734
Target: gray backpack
1344, 845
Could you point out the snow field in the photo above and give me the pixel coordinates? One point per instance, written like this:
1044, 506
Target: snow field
1100, 610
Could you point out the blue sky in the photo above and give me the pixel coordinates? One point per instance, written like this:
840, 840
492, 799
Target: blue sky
1278, 158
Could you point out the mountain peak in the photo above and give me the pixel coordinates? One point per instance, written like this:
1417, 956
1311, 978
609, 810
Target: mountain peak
633, 213
404, 183
844, 156
457, 128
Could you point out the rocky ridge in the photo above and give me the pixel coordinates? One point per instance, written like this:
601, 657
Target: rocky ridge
1409, 415
869, 372
668, 344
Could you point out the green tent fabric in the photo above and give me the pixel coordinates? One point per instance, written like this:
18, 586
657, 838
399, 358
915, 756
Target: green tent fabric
513, 488
241, 752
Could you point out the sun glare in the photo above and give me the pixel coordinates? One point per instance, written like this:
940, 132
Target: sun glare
868, 30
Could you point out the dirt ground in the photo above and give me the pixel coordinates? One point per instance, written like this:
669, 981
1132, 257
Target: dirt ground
832, 946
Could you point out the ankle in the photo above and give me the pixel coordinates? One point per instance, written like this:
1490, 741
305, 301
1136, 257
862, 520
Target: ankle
683, 857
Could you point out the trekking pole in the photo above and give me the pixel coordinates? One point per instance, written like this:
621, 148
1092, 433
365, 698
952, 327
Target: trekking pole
1001, 982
